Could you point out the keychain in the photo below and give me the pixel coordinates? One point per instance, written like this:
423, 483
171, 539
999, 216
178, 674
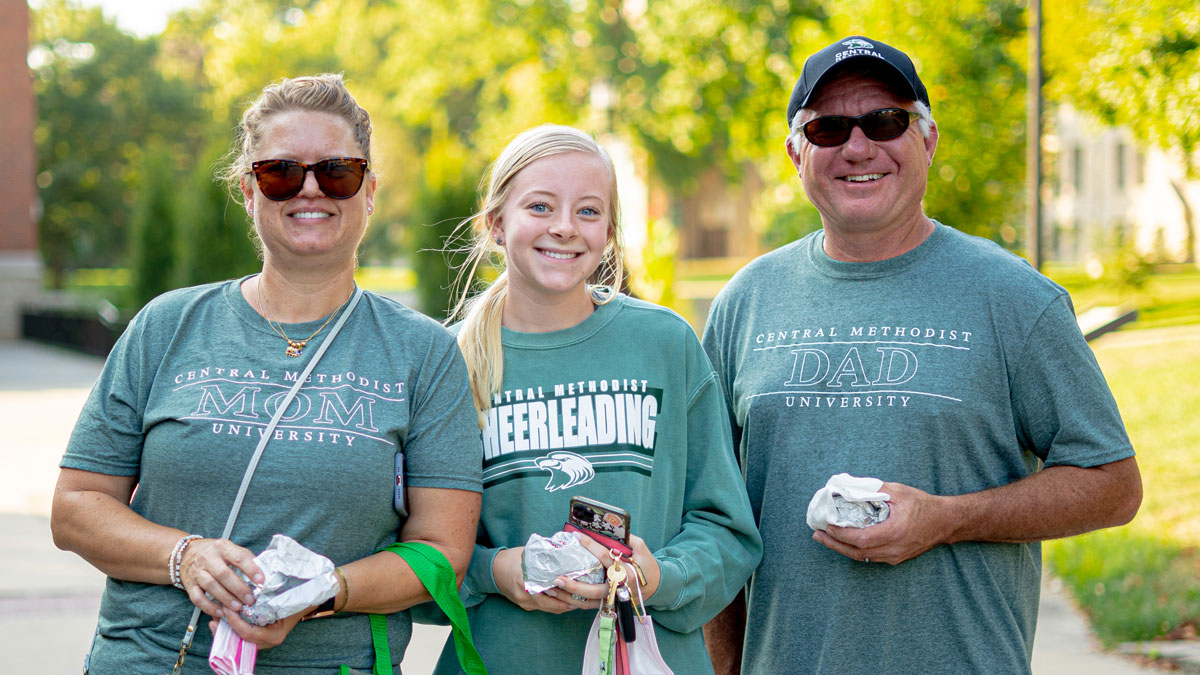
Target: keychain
608, 617
625, 619
618, 595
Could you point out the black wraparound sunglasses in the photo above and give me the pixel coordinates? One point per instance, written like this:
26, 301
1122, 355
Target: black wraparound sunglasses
878, 125
281, 179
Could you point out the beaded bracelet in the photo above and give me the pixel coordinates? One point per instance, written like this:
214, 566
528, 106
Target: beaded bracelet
176, 559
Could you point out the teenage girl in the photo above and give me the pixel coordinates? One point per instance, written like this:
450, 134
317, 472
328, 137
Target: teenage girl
585, 391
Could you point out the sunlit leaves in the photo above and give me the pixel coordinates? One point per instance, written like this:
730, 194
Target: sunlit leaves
102, 104
1131, 64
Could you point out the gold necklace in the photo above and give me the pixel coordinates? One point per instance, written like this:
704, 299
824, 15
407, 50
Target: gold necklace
295, 347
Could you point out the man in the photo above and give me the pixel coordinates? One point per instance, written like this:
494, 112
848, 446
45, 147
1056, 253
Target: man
892, 346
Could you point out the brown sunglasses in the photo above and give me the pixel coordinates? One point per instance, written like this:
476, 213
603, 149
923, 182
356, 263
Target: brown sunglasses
281, 179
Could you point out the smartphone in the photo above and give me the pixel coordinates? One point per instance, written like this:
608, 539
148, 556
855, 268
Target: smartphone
398, 501
605, 523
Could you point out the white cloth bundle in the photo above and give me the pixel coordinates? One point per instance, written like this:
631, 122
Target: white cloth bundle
848, 501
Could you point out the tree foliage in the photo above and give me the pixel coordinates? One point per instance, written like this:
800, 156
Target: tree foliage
215, 240
153, 229
102, 102
691, 83
444, 200
1131, 64
1135, 65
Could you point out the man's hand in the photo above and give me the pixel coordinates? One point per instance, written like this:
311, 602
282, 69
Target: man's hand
1058, 501
916, 524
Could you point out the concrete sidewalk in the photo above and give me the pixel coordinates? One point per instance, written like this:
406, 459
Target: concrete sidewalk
49, 598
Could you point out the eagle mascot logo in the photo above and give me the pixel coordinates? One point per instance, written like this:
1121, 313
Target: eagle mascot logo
856, 43
567, 469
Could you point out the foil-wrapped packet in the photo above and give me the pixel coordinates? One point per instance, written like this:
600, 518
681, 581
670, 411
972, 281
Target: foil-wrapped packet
560, 555
848, 501
295, 579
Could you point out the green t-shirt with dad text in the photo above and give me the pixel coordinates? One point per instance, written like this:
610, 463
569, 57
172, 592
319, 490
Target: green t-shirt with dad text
952, 368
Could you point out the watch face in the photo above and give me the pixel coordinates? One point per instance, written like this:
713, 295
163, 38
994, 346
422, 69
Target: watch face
322, 610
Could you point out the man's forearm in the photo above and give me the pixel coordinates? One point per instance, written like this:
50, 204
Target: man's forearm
1059, 501
724, 635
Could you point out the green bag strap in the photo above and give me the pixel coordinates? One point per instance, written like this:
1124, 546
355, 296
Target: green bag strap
383, 650
437, 575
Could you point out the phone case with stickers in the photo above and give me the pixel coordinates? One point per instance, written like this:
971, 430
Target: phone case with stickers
605, 523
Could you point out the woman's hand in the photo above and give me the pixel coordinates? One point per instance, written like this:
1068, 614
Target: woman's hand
270, 635
506, 569
206, 568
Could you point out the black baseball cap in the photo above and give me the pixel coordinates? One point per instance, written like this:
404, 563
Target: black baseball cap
856, 48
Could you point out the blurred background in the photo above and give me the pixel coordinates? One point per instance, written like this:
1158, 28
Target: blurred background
117, 113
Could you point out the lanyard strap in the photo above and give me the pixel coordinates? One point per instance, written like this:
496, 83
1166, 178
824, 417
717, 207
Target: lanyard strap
607, 645
437, 575
190, 633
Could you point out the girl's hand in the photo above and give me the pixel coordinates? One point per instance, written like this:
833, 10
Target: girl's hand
506, 569
641, 555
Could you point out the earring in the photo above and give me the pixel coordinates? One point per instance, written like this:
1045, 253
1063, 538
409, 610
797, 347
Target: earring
250, 210
499, 239
370, 209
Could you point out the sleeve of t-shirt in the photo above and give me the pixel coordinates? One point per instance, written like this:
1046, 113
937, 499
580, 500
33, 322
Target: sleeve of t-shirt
1065, 411
707, 563
442, 446
479, 581
716, 346
109, 434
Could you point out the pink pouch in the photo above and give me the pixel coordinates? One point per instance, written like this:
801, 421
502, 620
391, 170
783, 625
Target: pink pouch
230, 654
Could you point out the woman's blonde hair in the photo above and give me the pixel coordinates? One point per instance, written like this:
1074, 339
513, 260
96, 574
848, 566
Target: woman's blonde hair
481, 310
315, 93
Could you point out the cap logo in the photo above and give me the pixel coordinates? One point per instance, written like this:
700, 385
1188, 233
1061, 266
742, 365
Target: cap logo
857, 47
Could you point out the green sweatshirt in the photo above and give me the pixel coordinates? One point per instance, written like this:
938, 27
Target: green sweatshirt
624, 408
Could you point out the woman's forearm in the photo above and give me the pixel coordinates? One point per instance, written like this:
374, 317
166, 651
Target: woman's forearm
384, 583
89, 519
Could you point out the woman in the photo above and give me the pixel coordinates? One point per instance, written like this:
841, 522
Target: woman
188, 389
585, 391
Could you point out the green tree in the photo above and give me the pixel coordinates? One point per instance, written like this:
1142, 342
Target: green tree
692, 82
215, 241
153, 229
100, 101
445, 198
1135, 65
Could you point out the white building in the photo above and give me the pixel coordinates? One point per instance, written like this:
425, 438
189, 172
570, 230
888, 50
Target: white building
1105, 190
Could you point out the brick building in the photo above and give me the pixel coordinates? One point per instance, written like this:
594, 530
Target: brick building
20, 263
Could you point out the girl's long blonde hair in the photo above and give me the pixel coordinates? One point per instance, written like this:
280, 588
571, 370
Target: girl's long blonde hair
481, 309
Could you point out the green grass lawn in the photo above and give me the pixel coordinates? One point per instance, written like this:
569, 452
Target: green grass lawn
1142, 581
1171, 296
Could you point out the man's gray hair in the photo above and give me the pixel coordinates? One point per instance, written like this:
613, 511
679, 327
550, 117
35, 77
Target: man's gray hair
924, 123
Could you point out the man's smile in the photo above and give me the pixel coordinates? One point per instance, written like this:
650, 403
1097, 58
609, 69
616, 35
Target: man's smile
862, 178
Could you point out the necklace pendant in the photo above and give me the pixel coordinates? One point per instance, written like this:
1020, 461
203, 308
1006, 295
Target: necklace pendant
295, 348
